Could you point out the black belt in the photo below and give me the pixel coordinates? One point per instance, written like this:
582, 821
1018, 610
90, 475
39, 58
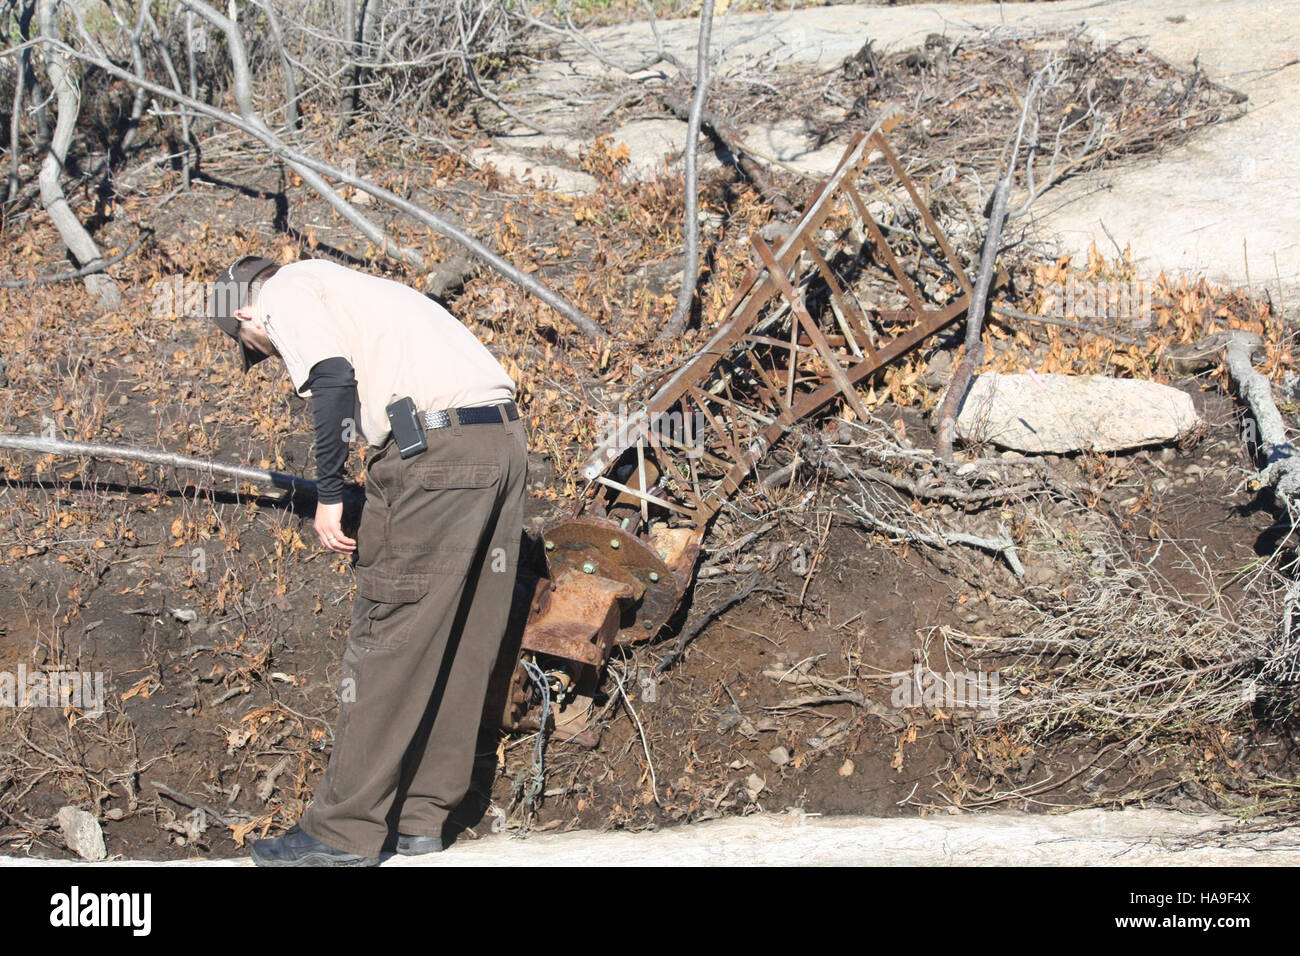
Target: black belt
480, 415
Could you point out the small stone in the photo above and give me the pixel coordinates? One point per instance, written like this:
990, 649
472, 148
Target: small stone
846, 768
1040, 575
938, 370
754, 785
81, 833
185, 615
779, 756
774, 232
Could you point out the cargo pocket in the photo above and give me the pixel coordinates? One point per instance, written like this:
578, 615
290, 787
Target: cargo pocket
445, 519
385, 613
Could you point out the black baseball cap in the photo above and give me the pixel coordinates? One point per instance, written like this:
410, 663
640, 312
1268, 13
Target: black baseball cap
231, 293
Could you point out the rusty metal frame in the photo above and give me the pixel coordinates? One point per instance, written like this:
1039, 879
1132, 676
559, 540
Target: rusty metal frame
771, 362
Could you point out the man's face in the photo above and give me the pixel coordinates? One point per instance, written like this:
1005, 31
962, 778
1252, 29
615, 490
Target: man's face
252, 333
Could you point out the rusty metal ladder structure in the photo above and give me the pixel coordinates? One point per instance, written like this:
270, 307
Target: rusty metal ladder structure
794, 338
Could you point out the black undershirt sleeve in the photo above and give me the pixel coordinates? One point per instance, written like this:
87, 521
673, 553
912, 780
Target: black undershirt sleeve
333, 387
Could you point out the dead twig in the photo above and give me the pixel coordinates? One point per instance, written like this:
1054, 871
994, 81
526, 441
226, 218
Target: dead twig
691, 264
90, 268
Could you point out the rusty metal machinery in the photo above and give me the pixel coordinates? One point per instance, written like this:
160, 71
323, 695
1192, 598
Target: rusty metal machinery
807, 324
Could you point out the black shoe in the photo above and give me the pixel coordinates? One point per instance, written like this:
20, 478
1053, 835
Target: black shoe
299, 848
418, 845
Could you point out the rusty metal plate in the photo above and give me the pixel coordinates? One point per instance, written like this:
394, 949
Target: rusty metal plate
609, 551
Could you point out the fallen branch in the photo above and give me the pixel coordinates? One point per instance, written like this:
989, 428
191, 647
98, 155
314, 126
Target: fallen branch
1281, 465
90, 268
1003, 546
974, 354
193, 804
689, 632
1067, 324
57, 446
836, 693
950, 492
961, 377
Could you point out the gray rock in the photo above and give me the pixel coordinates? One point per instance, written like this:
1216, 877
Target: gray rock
570, 146
566, 182
650, 144
81, 833
1064, 413
779, 756
790, 144
938, 370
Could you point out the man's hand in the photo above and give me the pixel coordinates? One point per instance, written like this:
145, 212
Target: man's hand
329, 527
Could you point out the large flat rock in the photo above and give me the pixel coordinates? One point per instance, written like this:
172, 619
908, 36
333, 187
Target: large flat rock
1088, 837
1055, 414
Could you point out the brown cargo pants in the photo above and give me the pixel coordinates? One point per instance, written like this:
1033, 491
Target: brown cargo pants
437, 552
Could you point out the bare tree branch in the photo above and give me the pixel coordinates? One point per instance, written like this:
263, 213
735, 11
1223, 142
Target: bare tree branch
242, 87
287, 75
299, 160
53, 199
691, 265
961, 376
90, 268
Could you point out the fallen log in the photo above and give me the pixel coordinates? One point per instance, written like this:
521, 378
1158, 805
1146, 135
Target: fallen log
1281, 469
56, 446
